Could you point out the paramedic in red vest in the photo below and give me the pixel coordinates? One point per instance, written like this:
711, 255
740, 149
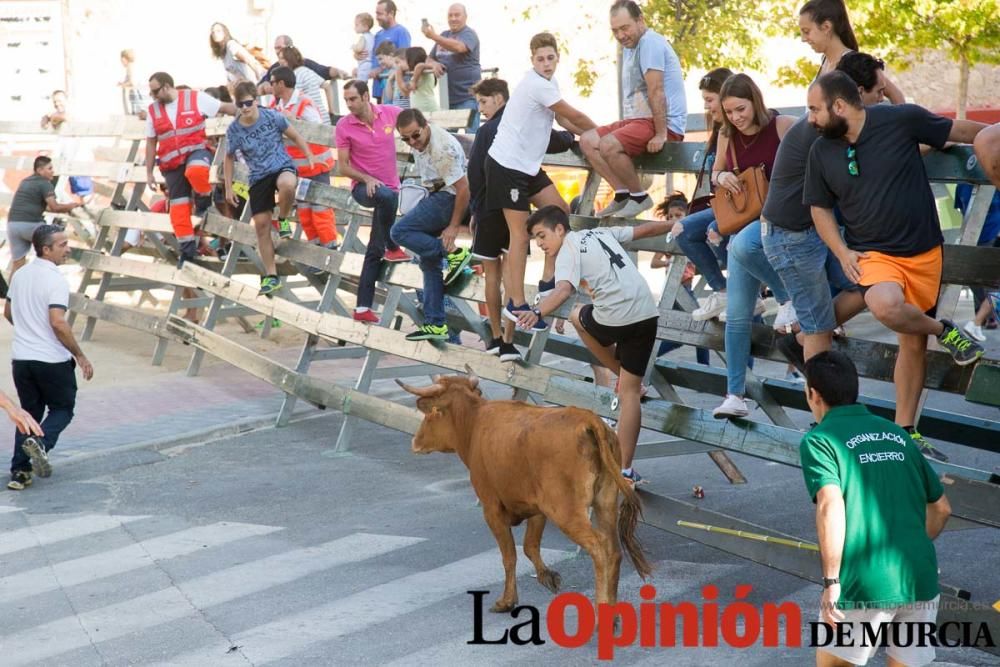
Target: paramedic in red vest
176, 141
318, 222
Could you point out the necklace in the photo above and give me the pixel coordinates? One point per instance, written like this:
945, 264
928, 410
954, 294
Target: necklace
744, 144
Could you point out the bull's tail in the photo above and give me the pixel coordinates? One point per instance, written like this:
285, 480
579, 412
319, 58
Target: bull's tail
631, 507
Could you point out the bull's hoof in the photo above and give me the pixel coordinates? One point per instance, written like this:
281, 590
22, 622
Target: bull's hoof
550, 579
501, 607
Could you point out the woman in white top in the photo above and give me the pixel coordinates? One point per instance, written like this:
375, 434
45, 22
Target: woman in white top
307, 82
239, 64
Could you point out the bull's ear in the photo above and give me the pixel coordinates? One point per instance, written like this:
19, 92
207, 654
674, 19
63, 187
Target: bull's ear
434, 413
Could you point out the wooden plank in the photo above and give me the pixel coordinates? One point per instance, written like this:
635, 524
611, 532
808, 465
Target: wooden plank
126, 317
142, 220
985, 385
973, 500
155, 272
117, 171
975, 266
317, 392
976, 432
873, 359
407, 275
755, 439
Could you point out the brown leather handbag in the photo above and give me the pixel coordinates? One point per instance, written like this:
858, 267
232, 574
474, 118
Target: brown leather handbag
733, 212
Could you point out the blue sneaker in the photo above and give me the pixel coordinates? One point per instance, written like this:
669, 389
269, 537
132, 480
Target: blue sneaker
634, 479
545, 288
511, 313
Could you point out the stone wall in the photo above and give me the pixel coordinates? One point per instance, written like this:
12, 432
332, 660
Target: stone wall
933, 82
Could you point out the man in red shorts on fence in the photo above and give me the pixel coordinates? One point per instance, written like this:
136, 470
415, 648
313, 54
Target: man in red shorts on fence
654, 109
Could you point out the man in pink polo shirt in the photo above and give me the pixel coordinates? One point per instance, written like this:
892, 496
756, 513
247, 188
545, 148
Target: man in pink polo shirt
366, 153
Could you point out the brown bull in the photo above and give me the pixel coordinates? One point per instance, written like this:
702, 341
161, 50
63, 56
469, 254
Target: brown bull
535, 463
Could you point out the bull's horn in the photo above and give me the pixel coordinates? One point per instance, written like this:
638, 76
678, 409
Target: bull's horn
422, 392
473, 378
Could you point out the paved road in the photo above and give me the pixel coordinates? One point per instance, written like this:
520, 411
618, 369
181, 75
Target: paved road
266, 548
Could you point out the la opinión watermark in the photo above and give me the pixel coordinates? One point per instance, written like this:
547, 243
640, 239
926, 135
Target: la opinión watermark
572, 621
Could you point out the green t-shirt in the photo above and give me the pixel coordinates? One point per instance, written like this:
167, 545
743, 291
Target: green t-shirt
29, 203
888, 558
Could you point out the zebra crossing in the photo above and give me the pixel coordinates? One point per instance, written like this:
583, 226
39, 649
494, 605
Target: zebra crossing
78, 638
379, 601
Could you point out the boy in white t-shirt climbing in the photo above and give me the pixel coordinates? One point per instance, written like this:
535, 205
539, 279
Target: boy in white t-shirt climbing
619, 327
514, 175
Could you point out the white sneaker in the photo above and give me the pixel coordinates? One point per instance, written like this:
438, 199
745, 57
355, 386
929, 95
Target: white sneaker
714, 305
611, 208
760, 308
733, 406
633, 208
974, 330
785, 318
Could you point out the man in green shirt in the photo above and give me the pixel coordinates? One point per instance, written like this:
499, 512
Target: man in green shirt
879, 505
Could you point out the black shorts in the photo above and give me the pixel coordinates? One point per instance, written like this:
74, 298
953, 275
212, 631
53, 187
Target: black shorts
492, 236
633, 342
262, 192
509, 188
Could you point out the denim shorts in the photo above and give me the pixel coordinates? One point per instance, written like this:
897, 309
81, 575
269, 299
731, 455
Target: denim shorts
810, 272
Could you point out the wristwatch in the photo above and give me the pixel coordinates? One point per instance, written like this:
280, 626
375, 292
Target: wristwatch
827, 582
537, 312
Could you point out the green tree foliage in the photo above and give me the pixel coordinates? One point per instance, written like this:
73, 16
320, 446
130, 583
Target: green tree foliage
968, 31
731, 33
903, 31
717, 33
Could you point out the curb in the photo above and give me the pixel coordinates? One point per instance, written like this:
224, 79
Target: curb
247, 425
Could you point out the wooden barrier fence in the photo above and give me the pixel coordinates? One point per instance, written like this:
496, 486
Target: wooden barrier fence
324, 317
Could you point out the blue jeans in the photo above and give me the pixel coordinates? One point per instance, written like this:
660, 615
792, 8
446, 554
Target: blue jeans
418, 232
470, 104
811, 274
384, 205
706, 257
40, 386
701, 353
748, 268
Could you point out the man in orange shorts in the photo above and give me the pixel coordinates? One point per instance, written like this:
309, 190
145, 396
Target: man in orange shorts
867, 163
654, 110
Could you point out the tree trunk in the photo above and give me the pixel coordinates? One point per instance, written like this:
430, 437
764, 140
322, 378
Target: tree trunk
963, 87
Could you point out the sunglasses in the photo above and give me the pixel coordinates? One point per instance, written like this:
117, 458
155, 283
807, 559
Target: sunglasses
245, 104
852, 161
153, 91
410, 138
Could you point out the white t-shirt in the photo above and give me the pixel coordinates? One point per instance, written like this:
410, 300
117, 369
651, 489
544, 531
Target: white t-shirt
621, 295
310, 114
443, 162
309, 83
208, 106
34, 289
526, 124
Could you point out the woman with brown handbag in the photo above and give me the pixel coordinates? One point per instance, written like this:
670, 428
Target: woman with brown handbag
749, 140
691, 233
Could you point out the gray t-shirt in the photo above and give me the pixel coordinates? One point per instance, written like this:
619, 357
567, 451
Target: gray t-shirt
29, 204
463, 68
783, 207
620, 293
653, 52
